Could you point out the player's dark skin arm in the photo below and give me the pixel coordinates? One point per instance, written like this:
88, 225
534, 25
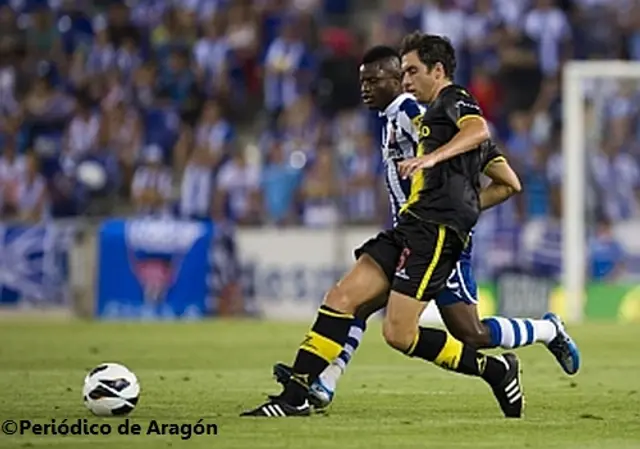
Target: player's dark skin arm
461, 319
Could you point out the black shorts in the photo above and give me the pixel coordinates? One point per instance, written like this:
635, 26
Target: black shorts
416, 256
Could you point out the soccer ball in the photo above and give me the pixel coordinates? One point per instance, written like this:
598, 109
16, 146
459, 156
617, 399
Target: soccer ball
110, 389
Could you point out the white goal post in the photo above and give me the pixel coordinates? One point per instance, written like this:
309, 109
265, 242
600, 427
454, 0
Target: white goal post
573, 148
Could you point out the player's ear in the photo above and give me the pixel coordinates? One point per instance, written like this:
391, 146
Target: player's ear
439, 71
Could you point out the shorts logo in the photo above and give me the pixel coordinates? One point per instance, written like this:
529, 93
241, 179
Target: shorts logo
401, 268
453, 284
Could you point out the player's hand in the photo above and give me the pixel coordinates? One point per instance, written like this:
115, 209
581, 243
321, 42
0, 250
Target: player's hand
410, 166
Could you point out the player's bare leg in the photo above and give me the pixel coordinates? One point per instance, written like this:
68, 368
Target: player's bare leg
365, 282
463, 321
402, 332
401, 321
327, 337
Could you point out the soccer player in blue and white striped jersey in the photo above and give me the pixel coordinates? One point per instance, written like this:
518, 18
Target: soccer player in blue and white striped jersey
457, 303
399, 142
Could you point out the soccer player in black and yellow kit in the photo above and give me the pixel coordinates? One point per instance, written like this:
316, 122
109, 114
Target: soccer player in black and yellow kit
422, 250
458, 302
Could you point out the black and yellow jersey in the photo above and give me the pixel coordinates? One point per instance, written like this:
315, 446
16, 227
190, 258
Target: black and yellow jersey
489, 155
448, 193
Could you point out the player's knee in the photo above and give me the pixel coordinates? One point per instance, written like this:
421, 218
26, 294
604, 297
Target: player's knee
398, 336
338, 299
476, 338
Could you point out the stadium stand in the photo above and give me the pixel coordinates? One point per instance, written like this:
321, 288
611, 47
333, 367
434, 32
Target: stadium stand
248, 111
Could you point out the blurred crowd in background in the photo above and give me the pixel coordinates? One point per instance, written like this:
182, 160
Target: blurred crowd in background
248, 111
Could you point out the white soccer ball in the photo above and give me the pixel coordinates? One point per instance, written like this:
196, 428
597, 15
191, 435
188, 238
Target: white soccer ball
111, 389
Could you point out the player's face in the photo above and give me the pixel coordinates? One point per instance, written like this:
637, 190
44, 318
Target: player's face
417, 79
376, 86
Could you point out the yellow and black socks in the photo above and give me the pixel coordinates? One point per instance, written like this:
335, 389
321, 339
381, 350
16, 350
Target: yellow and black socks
321, 345
439, 347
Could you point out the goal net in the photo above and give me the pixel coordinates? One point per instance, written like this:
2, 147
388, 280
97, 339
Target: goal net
600, 224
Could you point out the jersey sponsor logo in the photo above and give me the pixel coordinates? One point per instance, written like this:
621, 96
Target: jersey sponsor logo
453, 284
397, 146
394, 151
393, 140
395, 154
463, 104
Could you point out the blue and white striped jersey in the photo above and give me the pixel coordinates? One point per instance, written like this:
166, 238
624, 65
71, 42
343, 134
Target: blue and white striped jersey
399, 142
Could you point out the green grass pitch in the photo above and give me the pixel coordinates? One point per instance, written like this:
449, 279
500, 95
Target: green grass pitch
216, 369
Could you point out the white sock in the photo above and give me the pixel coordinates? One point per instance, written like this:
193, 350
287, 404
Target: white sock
509, 333
331, 374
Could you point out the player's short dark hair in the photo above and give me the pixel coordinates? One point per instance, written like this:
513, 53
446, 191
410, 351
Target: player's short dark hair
380, 53
431, 49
